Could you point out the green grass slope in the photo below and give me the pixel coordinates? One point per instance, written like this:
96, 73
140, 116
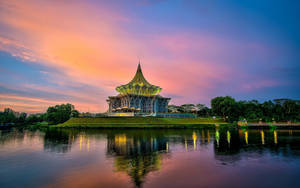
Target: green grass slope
138, 122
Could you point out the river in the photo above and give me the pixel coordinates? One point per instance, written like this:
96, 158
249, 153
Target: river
159, 158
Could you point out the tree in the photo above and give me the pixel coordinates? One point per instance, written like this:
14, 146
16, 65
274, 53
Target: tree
252, 110
173, 108
278, 112
290, 109
8, 116
74, 113
268, 109
188, 108
202, 110
225, 107
22, 118
60, 113
32, 118
200, 107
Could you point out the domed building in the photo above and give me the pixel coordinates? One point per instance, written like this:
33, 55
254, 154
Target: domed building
138, 96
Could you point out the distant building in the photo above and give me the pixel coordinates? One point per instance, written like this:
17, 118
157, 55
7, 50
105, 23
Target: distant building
138, 97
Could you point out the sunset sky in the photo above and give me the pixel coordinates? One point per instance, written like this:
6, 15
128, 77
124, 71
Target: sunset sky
79, 51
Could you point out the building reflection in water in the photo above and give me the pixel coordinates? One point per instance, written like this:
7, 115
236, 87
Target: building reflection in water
137, 155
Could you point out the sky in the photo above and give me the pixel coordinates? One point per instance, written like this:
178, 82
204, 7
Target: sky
79, 51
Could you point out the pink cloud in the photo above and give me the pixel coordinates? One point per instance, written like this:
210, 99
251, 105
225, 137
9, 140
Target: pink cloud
90, 45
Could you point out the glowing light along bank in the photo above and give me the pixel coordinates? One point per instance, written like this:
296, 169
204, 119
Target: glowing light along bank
138, 97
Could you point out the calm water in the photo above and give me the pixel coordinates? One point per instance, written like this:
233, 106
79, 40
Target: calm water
150, 158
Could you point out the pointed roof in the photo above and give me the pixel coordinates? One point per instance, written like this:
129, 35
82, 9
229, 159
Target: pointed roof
139, 85
139, 77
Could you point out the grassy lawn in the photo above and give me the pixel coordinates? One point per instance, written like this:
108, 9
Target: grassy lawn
139, 122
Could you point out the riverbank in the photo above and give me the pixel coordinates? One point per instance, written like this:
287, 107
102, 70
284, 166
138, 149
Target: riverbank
269, 125
140, 122
31, 126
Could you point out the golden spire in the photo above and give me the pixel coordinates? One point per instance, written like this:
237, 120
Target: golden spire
139, 85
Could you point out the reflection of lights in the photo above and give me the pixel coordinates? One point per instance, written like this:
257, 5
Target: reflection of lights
81, 141
228, 137
120, 139
246, 137
194, 140
217, 137
167, 147
140, 172
275, 137
291, 132
262, 137
208, 136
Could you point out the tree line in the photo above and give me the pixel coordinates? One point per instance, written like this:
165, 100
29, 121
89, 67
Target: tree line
276, 110
232, 110
225, 107
54, 115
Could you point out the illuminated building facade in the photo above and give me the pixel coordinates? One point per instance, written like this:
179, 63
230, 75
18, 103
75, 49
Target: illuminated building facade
138, 96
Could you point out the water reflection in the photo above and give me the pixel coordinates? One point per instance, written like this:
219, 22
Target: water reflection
58, 141
132, 143
138, 153
262, 137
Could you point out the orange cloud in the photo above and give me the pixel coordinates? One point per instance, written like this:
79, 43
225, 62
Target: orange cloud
38, 105
90, 45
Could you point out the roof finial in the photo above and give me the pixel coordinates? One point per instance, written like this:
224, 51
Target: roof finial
139, 65
139, 69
